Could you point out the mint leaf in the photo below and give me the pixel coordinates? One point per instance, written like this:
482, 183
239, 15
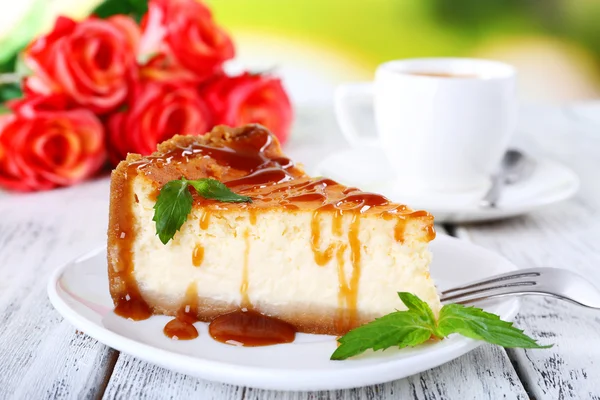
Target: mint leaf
400, 328
417, 325
213, 189
172, 207
174, 203
413, 303
477, 324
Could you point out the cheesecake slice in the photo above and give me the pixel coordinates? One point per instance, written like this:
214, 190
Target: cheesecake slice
311, 252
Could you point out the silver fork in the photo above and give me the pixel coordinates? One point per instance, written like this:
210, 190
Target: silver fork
554, 282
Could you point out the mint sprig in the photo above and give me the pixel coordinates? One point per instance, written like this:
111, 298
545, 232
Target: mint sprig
477, 324
174, 203
417, 325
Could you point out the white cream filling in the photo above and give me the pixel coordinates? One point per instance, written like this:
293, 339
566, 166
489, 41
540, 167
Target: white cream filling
280, 262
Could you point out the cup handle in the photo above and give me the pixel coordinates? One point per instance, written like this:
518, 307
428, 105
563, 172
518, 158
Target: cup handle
344, 95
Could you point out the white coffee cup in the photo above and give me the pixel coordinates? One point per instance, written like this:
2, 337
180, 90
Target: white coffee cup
443, 123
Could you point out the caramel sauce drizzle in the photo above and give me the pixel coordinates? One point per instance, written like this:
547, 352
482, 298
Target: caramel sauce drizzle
322, 257
245, 303
399, 229
198, 255
153, 196
251, 164
319, 197
182, 326
205, 220
430, 232
355, 259
341, 321
129, 303
347, 312
336, 224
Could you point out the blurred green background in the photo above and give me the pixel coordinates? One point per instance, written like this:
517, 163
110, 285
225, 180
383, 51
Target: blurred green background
316, 44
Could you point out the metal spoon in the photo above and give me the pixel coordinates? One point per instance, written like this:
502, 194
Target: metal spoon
512, 169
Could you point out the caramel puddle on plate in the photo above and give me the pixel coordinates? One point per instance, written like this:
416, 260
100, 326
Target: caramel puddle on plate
250, 329
182, 326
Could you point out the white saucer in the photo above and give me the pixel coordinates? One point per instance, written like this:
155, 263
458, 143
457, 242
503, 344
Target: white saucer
79, 291
368, 169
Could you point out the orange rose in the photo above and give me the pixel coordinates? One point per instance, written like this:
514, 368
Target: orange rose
157, 112
250, 98
185, 31
45, 144
91, 61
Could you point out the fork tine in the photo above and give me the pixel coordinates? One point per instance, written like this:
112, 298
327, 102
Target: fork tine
510, 276
493, 294
491, 291
514, 290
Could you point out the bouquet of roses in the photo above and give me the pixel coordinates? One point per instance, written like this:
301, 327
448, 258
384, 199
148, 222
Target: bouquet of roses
104, 87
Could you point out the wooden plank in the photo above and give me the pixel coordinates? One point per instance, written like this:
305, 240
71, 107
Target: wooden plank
136, 379
563, 236
485, 373
42, 356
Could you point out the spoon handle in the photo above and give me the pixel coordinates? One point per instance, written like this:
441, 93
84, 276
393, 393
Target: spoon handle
490, 199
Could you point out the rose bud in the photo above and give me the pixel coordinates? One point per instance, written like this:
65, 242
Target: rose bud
250, 98
91, 61
45, 144
185, 31
157, 112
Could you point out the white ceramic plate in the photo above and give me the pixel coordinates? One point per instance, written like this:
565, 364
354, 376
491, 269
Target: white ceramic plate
549, 183
79, 291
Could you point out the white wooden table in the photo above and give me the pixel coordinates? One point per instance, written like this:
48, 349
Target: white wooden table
43, 357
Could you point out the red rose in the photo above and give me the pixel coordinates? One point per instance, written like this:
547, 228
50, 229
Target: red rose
44, 145
250, 98
162, 68
186, 31
157, 112
91, 61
